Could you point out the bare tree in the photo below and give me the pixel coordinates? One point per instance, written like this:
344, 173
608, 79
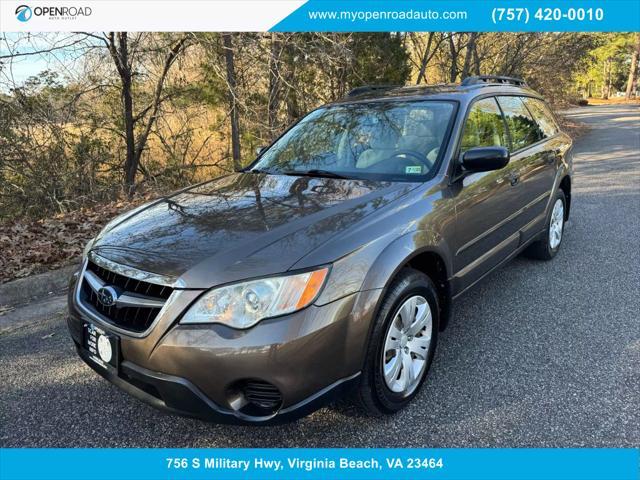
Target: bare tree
426, 55
470, 55
454, 51
229, 58
633, 69
123, 53
275, 83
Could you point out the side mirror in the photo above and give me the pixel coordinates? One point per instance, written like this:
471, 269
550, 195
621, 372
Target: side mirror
485, 159
259, 150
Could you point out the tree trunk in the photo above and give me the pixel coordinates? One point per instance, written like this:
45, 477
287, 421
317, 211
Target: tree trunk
609, 79
425, 60
291, 96
131, 161
633, 70
605, 79
233, 103
120, 55
468, 58
453, 70
274, 85
476, 59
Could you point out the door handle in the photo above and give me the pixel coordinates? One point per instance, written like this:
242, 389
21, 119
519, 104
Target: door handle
514, 179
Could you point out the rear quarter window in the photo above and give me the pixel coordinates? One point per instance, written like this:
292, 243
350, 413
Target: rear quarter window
542, 114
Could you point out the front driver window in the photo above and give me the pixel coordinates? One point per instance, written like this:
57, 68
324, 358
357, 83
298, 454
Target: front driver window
484, 127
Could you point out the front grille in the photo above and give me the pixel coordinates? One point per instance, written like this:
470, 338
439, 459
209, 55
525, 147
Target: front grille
130, 284
133, 318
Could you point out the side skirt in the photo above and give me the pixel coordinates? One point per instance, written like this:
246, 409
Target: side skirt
508, 258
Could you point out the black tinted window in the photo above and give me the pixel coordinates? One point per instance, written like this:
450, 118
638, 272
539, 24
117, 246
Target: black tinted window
542, 115
485, 126
523, 128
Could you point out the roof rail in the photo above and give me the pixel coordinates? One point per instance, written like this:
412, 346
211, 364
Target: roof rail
370, 88
483, 79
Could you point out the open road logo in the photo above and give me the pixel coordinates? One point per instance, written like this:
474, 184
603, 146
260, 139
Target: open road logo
24, 13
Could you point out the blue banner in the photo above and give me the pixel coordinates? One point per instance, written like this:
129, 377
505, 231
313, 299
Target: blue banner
301, 464
464, 15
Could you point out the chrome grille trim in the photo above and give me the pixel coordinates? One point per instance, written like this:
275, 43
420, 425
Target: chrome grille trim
127, 299
135, 273
100, 320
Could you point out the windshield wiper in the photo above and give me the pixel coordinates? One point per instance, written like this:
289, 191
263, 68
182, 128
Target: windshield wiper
256, 170
314, 172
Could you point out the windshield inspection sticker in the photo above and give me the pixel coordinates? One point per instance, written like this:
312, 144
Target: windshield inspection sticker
413, 170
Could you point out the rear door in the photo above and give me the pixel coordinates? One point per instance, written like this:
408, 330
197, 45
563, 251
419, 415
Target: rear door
532, 165
553, 143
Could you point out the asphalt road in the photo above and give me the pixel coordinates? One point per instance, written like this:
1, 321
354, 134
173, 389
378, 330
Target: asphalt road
539, 355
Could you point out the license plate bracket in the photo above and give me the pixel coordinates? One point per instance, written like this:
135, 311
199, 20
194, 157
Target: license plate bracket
103, 348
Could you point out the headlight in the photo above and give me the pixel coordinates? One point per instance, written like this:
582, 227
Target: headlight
242, 305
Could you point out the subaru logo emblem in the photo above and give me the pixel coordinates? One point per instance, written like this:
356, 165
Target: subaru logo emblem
107, 296
24, 13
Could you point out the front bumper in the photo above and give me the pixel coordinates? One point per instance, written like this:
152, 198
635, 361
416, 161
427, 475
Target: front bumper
311, 356
180, 396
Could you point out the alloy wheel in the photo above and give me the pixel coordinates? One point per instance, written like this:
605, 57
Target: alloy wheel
556, 225
406, 347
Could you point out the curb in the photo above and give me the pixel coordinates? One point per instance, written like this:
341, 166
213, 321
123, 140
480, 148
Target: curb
36, 287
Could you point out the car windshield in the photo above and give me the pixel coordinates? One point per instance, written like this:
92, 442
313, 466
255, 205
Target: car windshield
377, 140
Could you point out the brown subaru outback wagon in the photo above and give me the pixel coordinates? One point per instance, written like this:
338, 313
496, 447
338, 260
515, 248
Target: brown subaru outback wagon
328, 266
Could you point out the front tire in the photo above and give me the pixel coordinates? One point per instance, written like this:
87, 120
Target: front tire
547, 247
402, 345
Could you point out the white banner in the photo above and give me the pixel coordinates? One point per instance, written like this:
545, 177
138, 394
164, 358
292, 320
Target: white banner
143, 15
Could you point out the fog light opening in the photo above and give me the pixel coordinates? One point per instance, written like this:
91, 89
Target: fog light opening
255, 398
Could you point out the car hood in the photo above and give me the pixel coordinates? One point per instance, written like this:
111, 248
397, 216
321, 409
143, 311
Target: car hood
240, 226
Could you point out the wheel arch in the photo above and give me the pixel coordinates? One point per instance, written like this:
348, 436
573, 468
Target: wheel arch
429, 258
565, 186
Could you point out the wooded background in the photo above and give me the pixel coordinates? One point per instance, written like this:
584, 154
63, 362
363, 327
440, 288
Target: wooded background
119, 115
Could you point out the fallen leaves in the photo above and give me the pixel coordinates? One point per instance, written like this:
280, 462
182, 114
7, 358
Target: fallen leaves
33, 246
572, 127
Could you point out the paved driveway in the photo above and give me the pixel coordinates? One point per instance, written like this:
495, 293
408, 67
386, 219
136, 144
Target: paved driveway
540, 354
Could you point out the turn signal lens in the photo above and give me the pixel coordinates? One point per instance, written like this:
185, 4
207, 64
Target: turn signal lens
312, 288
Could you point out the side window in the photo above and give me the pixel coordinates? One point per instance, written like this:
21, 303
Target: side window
484, 126
523, 128
542, 115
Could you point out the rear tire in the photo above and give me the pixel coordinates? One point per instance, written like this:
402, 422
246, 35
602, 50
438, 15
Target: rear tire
402, 345
548, 246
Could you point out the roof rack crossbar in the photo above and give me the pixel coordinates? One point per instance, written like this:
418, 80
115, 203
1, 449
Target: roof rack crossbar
369, 88
482, 79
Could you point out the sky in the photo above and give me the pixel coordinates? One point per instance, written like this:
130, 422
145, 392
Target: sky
65, 59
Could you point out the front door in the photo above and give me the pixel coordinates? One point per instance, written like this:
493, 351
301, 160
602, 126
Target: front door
484, 201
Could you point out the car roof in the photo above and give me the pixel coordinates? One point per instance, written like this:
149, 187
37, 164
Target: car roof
458, 92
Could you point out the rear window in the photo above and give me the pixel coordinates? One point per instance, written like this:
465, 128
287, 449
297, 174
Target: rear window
523, 129
542, 114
